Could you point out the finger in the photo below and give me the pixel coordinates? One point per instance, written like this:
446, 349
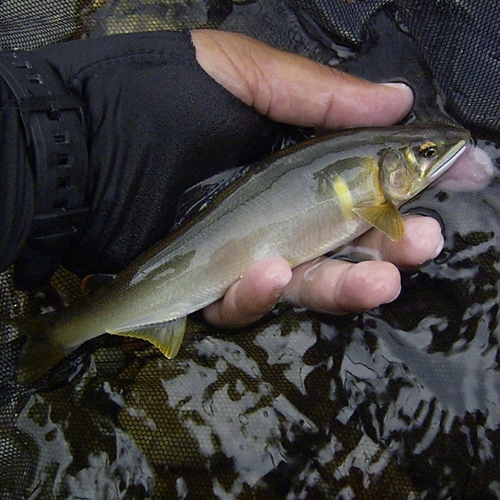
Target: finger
334, 286
473, 171
422, 241
292, 89
252, 296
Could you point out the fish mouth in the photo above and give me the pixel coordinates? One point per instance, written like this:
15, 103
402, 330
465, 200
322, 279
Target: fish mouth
447, 161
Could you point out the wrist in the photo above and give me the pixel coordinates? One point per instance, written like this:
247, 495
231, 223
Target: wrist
51, 122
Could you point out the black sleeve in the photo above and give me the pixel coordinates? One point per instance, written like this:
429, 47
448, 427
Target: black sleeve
16, 182
157, 124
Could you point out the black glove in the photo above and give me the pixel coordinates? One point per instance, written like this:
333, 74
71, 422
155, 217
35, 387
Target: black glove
155, 124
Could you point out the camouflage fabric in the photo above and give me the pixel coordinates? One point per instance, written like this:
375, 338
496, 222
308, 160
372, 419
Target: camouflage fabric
401, 402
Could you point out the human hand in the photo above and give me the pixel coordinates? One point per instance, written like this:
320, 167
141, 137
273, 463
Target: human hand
294, 90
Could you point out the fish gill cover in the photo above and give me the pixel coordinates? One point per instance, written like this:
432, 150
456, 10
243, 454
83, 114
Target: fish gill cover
399, 402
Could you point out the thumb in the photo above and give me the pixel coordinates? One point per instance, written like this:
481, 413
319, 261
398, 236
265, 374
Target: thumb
293, 89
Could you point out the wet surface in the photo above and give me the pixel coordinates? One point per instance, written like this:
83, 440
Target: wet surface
401, 402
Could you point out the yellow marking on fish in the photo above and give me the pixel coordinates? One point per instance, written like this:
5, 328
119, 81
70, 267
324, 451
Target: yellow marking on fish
428, 149
344, 195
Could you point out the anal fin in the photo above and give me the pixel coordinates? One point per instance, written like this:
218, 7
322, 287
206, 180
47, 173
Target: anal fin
167, 337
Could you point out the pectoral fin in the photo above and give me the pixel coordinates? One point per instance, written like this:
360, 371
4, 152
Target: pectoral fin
166, 336
385, 217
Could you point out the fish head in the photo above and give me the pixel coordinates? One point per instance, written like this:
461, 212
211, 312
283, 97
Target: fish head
417, 157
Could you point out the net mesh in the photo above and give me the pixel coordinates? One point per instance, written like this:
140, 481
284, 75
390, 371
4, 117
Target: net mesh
396, 403
459, 39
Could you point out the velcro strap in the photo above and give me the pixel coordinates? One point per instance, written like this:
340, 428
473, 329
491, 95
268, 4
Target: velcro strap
55, 129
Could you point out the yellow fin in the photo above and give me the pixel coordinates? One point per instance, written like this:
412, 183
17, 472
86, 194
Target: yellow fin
165, 336
385, 217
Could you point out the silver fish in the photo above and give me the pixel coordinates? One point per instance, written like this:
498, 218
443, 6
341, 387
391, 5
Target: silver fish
298, 204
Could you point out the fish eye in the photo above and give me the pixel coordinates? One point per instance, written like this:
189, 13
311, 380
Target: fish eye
428, 150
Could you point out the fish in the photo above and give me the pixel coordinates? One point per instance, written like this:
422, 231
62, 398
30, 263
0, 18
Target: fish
300, 203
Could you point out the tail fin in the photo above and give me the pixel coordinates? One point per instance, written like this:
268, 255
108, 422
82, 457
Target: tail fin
40, 352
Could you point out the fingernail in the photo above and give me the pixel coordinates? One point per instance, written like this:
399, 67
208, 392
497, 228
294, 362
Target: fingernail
439, 247
402, 87
392, 297
279, 280
422, 237
397, 85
